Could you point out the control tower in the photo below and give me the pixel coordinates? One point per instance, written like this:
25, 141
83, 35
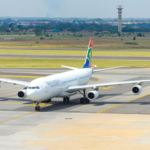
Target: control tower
119, 19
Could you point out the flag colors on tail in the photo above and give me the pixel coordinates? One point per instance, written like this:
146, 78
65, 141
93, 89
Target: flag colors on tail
89, 55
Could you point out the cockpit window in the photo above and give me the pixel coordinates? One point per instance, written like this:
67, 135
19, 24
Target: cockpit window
34, 87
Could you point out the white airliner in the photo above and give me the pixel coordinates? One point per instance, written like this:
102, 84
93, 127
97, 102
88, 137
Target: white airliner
67, 84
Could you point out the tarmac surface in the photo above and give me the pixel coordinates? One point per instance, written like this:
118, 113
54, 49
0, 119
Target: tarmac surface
118, 119
73, 57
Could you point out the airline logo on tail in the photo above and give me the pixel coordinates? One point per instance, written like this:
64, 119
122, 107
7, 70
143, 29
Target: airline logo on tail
89, 55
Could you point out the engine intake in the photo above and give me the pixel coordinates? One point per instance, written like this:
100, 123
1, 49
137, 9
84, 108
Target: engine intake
22, 94
92, 95
137, 89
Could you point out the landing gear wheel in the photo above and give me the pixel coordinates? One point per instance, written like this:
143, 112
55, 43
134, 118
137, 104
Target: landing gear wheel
66, 99
49, 100
37, 107
87, 101
82, 101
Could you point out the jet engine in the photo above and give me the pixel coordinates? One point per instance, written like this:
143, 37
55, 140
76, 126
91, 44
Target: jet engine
137, 89
22, 94
92, 95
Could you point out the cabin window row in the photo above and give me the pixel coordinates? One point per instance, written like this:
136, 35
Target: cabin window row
34, 87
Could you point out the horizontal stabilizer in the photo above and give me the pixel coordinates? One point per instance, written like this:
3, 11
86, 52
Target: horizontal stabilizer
69, 67
106, 69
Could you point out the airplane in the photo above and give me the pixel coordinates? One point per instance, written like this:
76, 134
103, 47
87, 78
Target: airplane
68, 84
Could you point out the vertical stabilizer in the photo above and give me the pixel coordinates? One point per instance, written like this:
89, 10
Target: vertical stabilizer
89, 55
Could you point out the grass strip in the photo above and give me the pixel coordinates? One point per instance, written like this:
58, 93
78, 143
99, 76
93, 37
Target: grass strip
56, 63
72, 52
12, 76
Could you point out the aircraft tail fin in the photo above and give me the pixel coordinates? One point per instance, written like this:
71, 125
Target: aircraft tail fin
89, 55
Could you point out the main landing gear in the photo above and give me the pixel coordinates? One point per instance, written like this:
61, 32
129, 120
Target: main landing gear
37, 107
66, 99
84, 100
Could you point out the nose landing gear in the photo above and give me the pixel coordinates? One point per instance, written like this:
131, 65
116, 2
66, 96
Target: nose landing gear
37, 107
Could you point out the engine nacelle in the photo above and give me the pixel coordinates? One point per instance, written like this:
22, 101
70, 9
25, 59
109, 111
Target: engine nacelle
22, 94
137, 89
92, 95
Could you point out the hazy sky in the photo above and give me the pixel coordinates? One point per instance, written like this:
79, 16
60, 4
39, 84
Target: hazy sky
74, 8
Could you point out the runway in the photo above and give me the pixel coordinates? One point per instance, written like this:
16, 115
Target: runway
74, 57
117, 120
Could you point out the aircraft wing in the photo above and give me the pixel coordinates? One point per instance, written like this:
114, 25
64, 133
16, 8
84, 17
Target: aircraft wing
95, 86
14, 81
69, 67
106, 69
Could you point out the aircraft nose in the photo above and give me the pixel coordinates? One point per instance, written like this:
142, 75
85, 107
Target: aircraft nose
31, 94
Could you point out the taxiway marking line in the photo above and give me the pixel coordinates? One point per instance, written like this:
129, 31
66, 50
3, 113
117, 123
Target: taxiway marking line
18, 117
14, 103
23, 115
98, 78
122, 103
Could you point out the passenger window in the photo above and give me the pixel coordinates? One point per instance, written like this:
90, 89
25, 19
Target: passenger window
37, 87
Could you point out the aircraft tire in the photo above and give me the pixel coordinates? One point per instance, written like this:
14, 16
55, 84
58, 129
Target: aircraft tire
82, 101
64, 100
36, 108
67, 99
39, 108
87, 101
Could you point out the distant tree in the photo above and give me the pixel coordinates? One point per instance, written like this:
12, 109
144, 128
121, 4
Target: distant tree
119, 34
60, 28
47, 35
80, 35
38, 32
72, 29
51, 35
41, 38
11, 25
97, 33
139, 34
134, 38
37, 42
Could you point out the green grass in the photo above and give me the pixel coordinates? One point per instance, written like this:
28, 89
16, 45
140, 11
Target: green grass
56, 63
71, 52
